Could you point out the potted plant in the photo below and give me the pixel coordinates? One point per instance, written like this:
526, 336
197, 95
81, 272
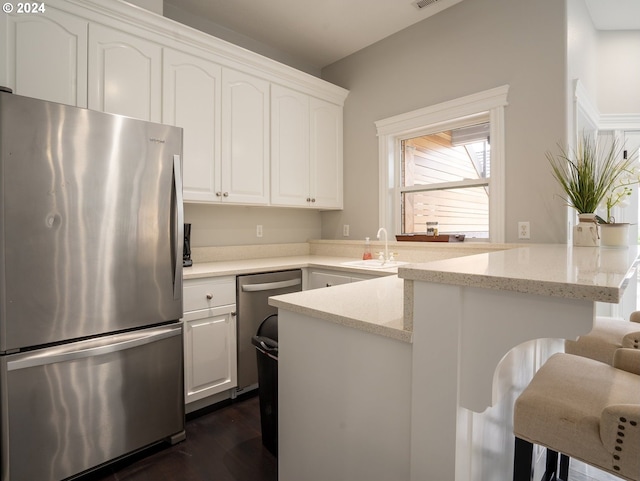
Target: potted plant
587, 174
617, 233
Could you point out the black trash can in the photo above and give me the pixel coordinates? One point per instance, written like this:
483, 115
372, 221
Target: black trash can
266, 343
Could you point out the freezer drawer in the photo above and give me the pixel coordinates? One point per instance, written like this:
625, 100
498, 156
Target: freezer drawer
70, 408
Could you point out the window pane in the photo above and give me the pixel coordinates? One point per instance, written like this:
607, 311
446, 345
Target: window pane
457, 211
447, 156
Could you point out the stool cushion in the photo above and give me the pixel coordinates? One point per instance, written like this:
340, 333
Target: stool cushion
607, 335
579, 407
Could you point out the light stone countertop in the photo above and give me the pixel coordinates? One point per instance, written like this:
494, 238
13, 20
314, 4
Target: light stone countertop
384, 305
592, 273
250, 266
374, 306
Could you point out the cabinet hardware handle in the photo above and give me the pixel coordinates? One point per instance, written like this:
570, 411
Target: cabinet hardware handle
209, 296
308, 199
313, 200
233, 313
329, 284
226, 194
218, 194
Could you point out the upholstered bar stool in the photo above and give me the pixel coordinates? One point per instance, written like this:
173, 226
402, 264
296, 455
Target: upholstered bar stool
583, 409
607, 335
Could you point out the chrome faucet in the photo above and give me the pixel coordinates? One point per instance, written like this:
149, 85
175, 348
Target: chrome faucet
386, 243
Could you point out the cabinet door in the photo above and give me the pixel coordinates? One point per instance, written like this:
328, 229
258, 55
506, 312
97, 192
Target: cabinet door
319, 279
326, 154
47, 56
245, 138
209, 352
124, 74
289, 147
191, 99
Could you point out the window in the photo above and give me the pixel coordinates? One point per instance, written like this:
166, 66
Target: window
437, 164
445, 178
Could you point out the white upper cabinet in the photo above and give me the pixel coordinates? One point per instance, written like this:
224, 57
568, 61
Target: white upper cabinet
306, 150
191, 99
290, 168
245, 138
255, 132
326, 154
47, 56
124, 74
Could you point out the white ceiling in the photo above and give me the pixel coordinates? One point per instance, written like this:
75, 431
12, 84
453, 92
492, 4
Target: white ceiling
615, 14
324, 31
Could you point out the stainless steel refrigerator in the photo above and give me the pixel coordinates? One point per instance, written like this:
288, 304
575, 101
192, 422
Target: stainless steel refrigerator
90, 288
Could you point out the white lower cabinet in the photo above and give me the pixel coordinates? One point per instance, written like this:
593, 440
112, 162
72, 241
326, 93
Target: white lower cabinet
209, 337
319, 278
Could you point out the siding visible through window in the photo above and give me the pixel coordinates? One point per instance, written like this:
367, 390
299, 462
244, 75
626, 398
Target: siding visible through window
445, 178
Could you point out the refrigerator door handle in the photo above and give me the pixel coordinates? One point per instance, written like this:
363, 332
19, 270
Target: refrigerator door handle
179, 228
53, 357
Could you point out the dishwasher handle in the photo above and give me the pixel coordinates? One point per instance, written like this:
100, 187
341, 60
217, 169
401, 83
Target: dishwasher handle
268, 286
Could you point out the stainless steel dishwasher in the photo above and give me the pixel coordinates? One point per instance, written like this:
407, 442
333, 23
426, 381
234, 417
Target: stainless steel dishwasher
252, 307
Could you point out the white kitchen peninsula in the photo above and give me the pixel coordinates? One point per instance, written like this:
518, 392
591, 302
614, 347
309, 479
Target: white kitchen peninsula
413, 378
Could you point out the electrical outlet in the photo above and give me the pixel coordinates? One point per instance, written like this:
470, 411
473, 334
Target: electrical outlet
345, 230
524, 230
259, 230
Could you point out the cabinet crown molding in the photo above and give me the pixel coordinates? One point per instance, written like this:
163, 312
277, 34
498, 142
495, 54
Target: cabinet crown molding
170, 33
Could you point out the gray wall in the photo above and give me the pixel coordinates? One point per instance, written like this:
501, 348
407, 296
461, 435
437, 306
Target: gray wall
473, 46
221, 32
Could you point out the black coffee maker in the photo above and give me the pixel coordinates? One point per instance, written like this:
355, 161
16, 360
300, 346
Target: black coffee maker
186, 251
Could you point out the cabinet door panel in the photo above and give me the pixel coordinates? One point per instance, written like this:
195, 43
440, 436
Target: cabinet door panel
326, 154
289, 147
210, 365
322, 279
124, 74
245, 138
48, 57
192, 100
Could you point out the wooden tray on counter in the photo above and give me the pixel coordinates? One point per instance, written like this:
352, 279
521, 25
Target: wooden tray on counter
431, 238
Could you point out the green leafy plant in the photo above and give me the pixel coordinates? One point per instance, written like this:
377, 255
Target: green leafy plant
620, 192
588, 173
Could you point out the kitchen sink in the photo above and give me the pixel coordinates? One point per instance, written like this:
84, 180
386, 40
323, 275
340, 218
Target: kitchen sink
374, 264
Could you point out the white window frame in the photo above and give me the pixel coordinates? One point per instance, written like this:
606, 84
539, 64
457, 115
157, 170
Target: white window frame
393, 130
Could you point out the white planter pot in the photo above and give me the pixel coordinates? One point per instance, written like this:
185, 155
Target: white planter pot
586, 232
614, 235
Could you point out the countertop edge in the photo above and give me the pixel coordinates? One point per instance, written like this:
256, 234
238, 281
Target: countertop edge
525, 286
561, 271
385, 331
251, 266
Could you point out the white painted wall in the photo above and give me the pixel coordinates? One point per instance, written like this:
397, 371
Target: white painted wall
470, 47
582, 50
618, 72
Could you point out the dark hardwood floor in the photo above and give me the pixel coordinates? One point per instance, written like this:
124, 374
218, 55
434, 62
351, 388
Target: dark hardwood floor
222, 445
